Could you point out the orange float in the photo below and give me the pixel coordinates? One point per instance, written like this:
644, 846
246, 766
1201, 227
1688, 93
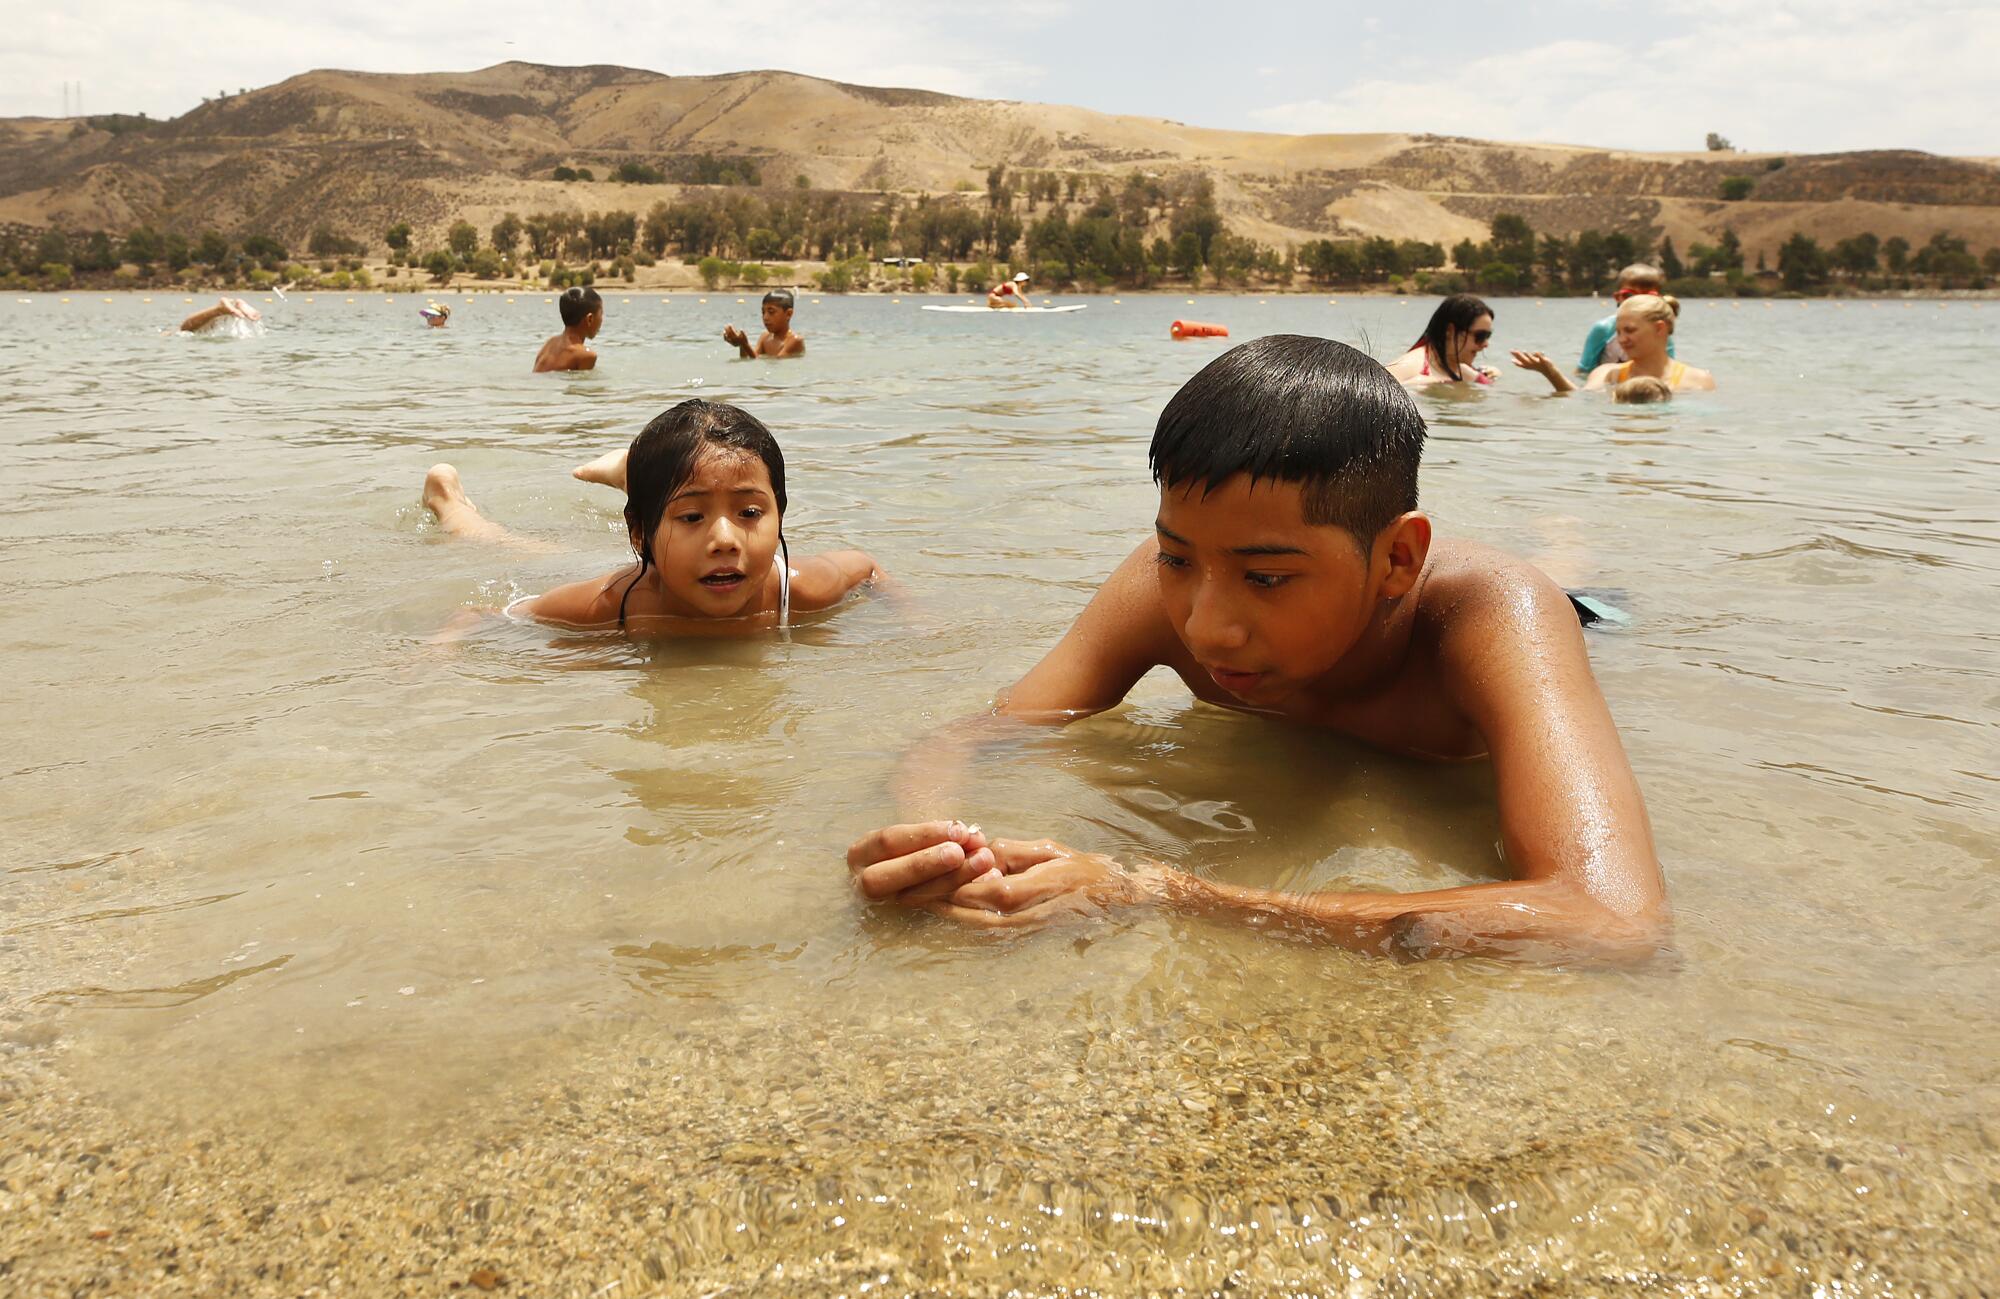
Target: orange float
1199, 329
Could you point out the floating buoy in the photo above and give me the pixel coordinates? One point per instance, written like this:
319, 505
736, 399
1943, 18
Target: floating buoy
1198, 329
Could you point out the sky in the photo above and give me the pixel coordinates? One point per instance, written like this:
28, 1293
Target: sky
1793, 75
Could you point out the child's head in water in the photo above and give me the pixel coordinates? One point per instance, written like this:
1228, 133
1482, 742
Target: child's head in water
1644, 388
1288, 510
581, 309
705, 505
778, 305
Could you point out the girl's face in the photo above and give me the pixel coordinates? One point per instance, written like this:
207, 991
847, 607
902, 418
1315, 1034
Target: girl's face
1469, 343
1639, 335
715, 543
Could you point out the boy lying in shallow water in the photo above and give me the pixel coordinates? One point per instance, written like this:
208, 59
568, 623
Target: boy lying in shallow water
705, 507
1290, 574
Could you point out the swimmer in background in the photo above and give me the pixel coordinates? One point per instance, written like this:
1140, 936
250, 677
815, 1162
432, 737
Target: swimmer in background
1645, 334
225, 308
1010, 294
1641, 391
1633, 392
582, 316
704, 512
1600, 345
436, 317
778, 340
1448, 352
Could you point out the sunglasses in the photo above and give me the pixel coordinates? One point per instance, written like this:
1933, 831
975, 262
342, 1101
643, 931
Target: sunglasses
1482, 335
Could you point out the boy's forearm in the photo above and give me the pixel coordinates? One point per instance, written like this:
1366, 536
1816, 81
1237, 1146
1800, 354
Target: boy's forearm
932, 771
1502, 918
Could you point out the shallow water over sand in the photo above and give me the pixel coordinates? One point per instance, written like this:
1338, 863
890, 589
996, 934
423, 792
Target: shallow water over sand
332, 952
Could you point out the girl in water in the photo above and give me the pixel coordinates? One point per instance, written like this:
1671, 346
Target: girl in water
705, 507
1645, 323
1458, 332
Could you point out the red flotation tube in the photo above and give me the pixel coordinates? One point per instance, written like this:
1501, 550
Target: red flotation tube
1199, 329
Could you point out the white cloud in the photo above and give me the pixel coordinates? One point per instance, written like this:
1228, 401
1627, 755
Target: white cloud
1776, 74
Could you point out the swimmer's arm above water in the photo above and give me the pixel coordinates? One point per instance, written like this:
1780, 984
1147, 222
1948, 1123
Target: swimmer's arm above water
1540, 363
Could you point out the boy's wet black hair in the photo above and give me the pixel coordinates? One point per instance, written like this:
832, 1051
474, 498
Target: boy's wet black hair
576, 303
1456, 312
1292, 409
783, 297
663, 458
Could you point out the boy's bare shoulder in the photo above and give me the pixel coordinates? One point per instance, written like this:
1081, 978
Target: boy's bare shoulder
1466, 578
1128, 608
1477, 601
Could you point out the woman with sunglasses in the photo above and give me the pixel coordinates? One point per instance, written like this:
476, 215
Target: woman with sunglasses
1449, 350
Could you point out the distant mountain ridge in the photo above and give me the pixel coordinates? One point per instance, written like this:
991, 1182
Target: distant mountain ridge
361, 151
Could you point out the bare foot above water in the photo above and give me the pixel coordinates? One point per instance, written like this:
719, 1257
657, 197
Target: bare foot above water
444, 496
608, 469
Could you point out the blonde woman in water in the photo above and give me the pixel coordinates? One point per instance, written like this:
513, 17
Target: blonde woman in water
1645, 324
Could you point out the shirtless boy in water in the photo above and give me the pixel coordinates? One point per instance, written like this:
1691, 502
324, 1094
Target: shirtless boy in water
778, 340
1290, 575
582, 316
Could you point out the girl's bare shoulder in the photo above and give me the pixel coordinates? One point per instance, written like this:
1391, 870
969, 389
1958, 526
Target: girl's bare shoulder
592, 602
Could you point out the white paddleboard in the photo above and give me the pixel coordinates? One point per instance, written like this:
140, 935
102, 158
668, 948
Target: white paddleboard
1013, 311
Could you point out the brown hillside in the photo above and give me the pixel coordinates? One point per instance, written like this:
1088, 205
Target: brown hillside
364, 150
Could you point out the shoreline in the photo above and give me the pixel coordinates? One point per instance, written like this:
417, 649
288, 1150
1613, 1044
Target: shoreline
610, 288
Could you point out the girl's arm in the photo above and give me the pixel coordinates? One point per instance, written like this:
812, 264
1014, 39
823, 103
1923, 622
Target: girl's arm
590, 603
1542, 365
824, 580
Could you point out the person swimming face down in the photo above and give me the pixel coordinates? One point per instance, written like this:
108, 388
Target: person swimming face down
705, 506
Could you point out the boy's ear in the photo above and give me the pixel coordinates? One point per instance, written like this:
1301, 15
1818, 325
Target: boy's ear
1400, 551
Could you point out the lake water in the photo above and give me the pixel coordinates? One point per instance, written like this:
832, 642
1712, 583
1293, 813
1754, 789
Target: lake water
330, 955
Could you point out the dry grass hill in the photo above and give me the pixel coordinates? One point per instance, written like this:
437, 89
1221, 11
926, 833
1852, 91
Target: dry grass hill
362, 151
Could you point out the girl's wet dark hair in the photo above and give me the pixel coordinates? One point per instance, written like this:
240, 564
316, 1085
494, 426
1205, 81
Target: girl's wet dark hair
1294, 409
1456, 312
663, 458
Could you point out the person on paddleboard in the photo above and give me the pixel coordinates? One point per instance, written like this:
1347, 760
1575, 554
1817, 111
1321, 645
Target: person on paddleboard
1012, 293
